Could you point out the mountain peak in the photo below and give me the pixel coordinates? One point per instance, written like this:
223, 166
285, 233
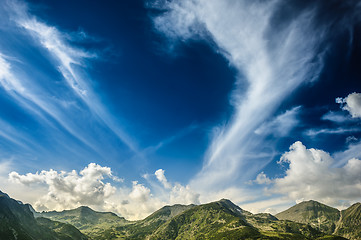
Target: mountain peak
4, 194
317, 214
232, 207
85, 209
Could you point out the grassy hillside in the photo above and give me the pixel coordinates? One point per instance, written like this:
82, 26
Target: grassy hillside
208, 221
350, 222
64, 230
144, 228
224, 220
316, 214
88, 221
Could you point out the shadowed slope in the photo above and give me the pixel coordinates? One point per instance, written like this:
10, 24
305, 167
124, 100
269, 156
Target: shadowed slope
17, 222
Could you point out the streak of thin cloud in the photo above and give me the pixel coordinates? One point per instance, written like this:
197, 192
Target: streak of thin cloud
71, 62
274, 62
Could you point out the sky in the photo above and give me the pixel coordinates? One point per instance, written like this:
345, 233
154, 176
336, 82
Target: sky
127, 106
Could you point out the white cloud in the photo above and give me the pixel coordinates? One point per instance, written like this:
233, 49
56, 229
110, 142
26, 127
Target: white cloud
69, 189
351, 139
311, 175
24, 94
281, 125
340, 130
5, 166
140, 201
351, 103
7, 80
71, 61
28, 93
262, 179
92, 186
52, 40
134, 203
274, 62
351, 151
183, 195
335, 117
139, 193
161, 178
271, 205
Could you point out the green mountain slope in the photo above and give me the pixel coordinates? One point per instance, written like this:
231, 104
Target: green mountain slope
224, 220
64, 230
18, 222
314, 213
349, 225
92, 223
144, 228
208, 221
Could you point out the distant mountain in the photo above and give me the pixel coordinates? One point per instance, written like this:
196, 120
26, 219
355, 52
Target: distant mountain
346, 223
18, 222
311, 212
88, 221
349, 225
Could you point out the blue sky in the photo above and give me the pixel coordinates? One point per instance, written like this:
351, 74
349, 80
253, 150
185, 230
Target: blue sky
121, 104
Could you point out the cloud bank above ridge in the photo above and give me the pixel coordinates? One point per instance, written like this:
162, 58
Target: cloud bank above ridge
97, 187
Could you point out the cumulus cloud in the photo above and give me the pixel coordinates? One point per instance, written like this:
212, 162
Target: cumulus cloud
133, 203
311, 175
97, 187
352, 104
139, 201
262, 179
183, 195
175, 193
139, 193
161, 178
70, 189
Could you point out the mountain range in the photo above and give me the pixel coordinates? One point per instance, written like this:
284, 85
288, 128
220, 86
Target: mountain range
346, 223
217, 220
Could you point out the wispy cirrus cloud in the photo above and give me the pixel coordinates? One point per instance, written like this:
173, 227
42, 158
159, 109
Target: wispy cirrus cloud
336, 117
273, 56
27, 94
45, 75
341, 130
70, 61
281, 125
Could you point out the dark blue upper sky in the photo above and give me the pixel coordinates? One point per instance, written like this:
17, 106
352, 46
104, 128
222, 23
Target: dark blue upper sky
157, 94
214, 93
